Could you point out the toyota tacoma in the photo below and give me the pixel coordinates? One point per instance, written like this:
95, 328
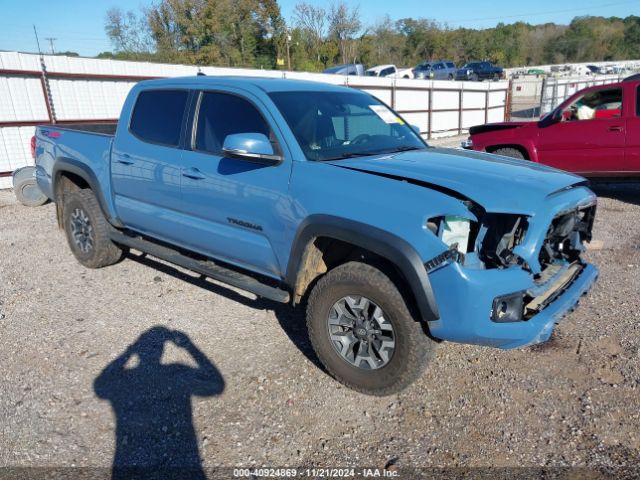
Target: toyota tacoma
302, 192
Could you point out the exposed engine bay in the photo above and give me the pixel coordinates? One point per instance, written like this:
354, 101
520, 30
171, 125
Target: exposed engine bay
566, 234
491, 242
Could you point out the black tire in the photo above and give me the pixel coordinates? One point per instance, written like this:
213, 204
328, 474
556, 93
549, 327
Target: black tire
413, 348
28, 193
90, 243
450, 77
475, 77
509, 152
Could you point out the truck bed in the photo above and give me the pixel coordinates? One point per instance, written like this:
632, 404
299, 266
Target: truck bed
85, 145
102, 128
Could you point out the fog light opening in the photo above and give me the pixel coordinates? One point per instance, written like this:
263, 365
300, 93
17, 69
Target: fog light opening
508, 308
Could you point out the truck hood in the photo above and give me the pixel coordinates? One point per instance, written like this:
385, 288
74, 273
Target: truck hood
499, 184
492, 127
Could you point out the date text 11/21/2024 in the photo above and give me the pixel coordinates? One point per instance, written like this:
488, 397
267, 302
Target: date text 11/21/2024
315, 473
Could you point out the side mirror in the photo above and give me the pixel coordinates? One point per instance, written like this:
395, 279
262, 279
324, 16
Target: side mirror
416, 129
253, 147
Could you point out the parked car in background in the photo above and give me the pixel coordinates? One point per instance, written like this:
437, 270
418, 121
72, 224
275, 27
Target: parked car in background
595, 70
348, 69
403, 73
580, 70
477, 71
440, 70
389, 71
595, 132
302, 192
381, 71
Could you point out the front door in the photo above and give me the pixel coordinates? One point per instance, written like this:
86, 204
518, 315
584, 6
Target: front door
237, 209
590, 138
632, 150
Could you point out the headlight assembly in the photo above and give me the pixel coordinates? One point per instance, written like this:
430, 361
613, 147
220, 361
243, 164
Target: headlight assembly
454, 231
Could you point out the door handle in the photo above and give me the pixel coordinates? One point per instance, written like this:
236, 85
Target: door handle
615, 128
193, 173
124, 158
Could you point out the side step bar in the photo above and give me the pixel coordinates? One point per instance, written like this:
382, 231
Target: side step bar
208, 268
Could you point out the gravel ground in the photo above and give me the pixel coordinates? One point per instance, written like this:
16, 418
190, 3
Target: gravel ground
258, 396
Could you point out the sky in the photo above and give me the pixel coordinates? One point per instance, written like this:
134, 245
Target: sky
78, 25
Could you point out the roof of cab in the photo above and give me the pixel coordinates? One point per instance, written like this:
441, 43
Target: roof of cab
265, 84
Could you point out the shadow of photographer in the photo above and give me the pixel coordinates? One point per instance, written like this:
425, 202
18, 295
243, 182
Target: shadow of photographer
155, 436
292, 320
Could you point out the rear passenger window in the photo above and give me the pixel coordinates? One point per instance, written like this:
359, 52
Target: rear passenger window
158, 116
222, 114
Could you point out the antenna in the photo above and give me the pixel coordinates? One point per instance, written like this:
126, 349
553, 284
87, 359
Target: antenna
51, 40
37, 41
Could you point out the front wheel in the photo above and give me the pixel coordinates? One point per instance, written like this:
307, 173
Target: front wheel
88, 230
363, 332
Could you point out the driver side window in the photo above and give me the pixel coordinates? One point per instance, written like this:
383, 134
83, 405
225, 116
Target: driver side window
223, 114
597, 104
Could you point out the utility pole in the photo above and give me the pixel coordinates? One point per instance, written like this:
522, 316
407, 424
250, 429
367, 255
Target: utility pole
37, 41
51, 40
288, 52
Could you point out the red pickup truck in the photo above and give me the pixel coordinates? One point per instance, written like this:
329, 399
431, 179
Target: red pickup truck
595, 133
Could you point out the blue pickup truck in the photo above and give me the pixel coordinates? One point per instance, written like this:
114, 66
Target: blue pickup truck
302, 192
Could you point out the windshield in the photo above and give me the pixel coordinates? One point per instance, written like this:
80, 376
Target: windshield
336, 125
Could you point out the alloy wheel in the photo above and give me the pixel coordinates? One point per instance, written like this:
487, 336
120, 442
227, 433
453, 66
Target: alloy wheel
360, 332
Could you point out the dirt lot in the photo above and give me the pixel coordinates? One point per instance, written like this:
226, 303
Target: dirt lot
259, 397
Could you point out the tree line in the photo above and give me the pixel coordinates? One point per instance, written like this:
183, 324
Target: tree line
253, 33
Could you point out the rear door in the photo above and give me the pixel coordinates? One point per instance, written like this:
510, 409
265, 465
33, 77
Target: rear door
439, 71
451, 70
485, 70
145, 162
235, 210
590, 139
632, 150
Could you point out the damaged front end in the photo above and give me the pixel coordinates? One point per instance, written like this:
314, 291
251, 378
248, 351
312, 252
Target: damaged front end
523, 271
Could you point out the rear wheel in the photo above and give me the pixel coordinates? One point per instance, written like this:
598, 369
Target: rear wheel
88, 230
509, 152
363, 332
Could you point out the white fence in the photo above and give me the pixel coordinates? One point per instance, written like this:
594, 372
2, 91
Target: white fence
557, 90
63, 90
